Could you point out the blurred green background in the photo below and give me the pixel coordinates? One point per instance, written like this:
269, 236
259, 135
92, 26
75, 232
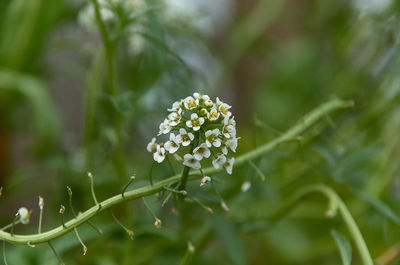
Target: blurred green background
64, 111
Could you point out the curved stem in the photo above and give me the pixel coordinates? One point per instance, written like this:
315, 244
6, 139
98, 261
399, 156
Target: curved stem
334, 201
57, 232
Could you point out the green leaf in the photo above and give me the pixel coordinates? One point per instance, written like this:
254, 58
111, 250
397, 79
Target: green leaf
379, 205
226, 232
344, 246
45, 116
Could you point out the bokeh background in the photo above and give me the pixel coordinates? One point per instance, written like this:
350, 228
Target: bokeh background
273, 61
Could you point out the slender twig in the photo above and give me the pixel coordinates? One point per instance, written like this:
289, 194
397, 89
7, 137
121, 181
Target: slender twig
10, 224
62, 211
181, 192
90, 175
80, 241
259, 172
128, 231
70, 201
188, 254
41, 206
13, 224
55, 253
131, 179
4, 253
334, 202
205, 207
292, 133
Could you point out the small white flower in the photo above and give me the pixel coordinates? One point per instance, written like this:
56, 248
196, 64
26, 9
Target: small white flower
176, 107
174, 118
229, 165
213, 114
223, 108
184, 137
229, 131
219, 161
229, 121
201, 151
173, 144
195, 122
205, 180
245, 186
152, 146
24, 215
190, 103
212, 138
232, 144
165, 127
190, 161
159, 155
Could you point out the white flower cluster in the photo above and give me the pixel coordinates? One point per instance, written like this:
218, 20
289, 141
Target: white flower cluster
200, 128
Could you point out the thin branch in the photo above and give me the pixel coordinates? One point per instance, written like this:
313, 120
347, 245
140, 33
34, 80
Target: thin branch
292, 133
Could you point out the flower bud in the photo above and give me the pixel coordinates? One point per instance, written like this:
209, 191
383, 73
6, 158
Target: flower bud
24, 215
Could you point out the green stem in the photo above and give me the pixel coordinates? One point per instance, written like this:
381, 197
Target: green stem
186, 169
119, 158
335, 201
57, 232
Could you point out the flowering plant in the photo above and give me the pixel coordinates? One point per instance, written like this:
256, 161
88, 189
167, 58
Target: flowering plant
199, 128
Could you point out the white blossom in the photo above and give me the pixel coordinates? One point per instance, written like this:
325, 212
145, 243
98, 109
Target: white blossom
223, 108
184, 137
173, 144
205, 180
159, 155
152, 146
190, 103
229, 121
174, 118
190, 161
176, 106
165, 127
232, 144
213, 114
201, 151
229, 165
219, 161
188, 119
24, 215
229, 131
195, 122
212, 138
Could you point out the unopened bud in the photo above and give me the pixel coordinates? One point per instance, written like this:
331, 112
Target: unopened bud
69, 191
90, 175
157, 223
191, 247
41, 202
224, 206
62, 209
24, 215
205, 180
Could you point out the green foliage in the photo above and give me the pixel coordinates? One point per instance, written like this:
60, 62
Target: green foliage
75, 99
